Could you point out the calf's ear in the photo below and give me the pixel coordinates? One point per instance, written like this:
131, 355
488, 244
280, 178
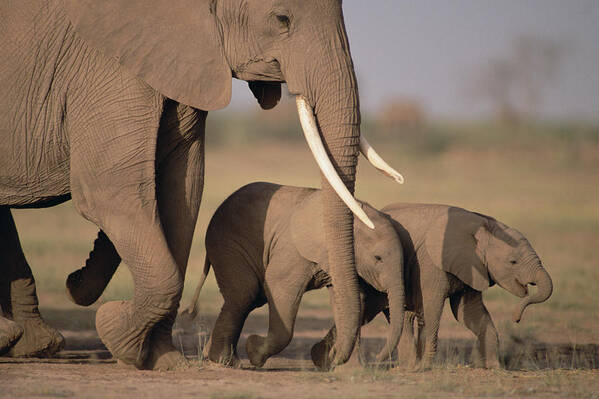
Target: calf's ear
307, 230
174, 46
452, 243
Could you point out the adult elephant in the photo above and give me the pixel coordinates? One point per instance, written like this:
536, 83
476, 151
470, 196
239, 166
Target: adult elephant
106, 102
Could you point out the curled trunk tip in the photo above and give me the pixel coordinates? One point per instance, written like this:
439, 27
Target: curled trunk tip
544, 291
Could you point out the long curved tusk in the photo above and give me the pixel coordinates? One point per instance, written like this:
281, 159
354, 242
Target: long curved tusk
312, 135
378, 162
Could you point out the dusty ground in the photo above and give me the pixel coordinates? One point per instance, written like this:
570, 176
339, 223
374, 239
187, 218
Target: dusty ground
86, 369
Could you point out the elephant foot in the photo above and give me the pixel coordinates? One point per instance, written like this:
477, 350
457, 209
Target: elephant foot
422, 366
320, 355
254, 346
86, 285
126, 342
83, 291
10, 332
487, 364
38, 339
163, 355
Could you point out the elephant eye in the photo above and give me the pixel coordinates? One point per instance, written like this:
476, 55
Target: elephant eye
284, 20
513, 262
378, 258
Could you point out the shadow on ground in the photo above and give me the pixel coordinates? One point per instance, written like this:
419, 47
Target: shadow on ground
84, 346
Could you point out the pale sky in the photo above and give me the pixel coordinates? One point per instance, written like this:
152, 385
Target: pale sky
427, 49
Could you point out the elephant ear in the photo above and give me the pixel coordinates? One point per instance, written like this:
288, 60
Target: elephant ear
307, 230
268, 94
175, 47
452, 244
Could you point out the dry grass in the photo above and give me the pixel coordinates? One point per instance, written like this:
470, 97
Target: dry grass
548, 191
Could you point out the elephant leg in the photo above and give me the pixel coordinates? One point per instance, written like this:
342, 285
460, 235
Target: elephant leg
242, 293
19, 300
320, 351
432, 309
468, 308
114, 185
407, 344
84, 286
180, 183
10, 332
285, 282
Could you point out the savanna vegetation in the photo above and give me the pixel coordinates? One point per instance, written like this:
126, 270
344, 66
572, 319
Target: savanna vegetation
540, 178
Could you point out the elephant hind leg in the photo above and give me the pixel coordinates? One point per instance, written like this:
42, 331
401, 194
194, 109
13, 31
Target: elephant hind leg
468, 308
243, 293
18, 297
84, 286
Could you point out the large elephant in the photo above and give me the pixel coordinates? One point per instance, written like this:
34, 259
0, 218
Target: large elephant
105, 103
266, 245
452, 253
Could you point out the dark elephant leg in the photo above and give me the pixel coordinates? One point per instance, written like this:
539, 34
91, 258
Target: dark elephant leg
242, 293
468, 308
84, 286
285, 282
18, 298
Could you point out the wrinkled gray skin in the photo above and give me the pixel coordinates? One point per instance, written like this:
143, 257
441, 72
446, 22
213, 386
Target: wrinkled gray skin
266, 245
453, 253
105, 103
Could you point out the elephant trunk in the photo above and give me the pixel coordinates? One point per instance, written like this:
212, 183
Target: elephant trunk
396, 298
544, 290
336, 107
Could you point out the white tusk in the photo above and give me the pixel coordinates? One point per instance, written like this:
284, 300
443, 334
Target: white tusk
312, 135
378, 162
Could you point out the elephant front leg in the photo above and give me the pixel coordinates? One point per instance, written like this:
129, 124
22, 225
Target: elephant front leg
468, 308
407, 354
432, 309
370, 306
19, 301
285, 283
180, 183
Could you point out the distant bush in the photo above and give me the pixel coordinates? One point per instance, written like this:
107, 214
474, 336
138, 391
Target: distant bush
282, 125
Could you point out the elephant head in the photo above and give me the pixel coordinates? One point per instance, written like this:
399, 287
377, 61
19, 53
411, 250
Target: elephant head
513, 264
379, 260
481, 251
190, 49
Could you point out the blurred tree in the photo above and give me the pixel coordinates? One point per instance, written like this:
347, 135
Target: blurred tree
515, 83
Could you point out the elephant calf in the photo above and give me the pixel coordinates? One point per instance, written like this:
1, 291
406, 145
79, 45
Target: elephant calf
452, 253
266, 244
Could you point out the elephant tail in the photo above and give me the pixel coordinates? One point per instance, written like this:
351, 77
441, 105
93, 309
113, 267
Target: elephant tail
191, 310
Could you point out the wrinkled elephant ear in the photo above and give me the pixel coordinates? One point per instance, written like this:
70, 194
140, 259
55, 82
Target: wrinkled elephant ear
174, 47
268, 94
307, 230
452, 244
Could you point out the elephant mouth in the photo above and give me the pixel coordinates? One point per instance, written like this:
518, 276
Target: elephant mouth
265, 69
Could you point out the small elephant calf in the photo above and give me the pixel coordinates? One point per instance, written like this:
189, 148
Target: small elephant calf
266, 245
452, 253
